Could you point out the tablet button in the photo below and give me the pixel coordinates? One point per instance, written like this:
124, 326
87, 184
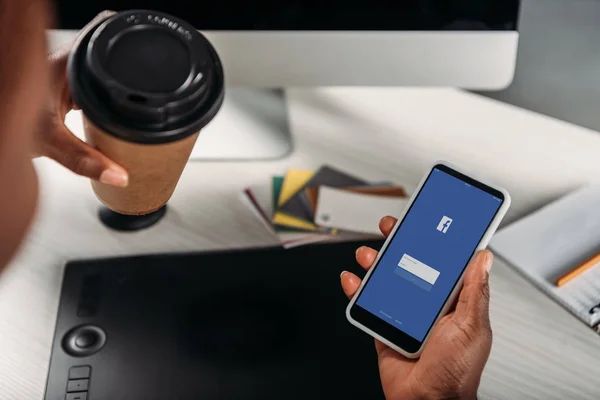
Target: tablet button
84, 341
76, 396
79, 372
79, 385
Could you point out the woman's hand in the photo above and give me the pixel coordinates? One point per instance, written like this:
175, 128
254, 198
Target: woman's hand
453, 359
54, 140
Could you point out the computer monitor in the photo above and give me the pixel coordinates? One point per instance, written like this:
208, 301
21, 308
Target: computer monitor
270, 45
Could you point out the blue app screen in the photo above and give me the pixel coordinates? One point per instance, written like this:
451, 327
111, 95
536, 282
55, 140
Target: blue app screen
428, 253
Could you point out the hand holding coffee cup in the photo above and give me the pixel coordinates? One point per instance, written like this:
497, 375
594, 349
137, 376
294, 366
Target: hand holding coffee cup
53, 138
147, 83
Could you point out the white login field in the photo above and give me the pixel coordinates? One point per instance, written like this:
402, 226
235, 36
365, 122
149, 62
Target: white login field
419, 269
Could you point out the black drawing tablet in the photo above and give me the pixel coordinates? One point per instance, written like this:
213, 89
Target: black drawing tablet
250, 324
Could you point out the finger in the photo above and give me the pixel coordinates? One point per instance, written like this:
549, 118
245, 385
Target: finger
59, 57
391, 363
387, 224
350, 283
366, 256
64, 50
84, 160
474, 299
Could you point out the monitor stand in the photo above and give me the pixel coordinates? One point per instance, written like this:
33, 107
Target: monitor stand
252, 125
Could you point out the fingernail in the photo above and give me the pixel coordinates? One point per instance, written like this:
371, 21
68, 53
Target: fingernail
342, 274
114, 177
489, 261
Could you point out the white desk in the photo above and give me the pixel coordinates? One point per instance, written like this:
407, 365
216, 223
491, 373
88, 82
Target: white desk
540, 351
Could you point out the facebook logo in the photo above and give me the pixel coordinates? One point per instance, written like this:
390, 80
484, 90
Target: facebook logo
444, 224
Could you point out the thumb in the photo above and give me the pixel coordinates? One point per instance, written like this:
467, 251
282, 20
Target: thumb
81, 158
474, 299
64, 50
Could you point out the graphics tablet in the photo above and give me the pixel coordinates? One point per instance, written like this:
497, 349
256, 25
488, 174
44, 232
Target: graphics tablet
250, 324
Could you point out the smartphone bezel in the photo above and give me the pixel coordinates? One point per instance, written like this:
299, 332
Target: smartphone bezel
389, 334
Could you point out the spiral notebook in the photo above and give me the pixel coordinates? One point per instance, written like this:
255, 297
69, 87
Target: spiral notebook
553, 241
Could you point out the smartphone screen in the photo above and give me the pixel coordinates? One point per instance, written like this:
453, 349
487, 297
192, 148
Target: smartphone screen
424, 260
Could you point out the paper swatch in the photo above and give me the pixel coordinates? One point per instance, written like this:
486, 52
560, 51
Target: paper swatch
356, 212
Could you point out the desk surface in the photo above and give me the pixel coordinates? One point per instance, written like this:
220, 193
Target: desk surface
540, 351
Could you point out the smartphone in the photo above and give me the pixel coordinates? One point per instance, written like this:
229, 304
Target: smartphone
419, 270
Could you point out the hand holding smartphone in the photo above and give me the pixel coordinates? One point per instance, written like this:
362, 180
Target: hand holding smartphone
419, 271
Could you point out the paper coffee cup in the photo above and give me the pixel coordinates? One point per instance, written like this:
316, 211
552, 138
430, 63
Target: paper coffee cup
147, 84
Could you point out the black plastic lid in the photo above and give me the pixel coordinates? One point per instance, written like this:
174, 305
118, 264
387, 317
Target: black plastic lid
146, 77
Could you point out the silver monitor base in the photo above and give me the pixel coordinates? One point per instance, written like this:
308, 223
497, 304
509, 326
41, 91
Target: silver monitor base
252, 125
